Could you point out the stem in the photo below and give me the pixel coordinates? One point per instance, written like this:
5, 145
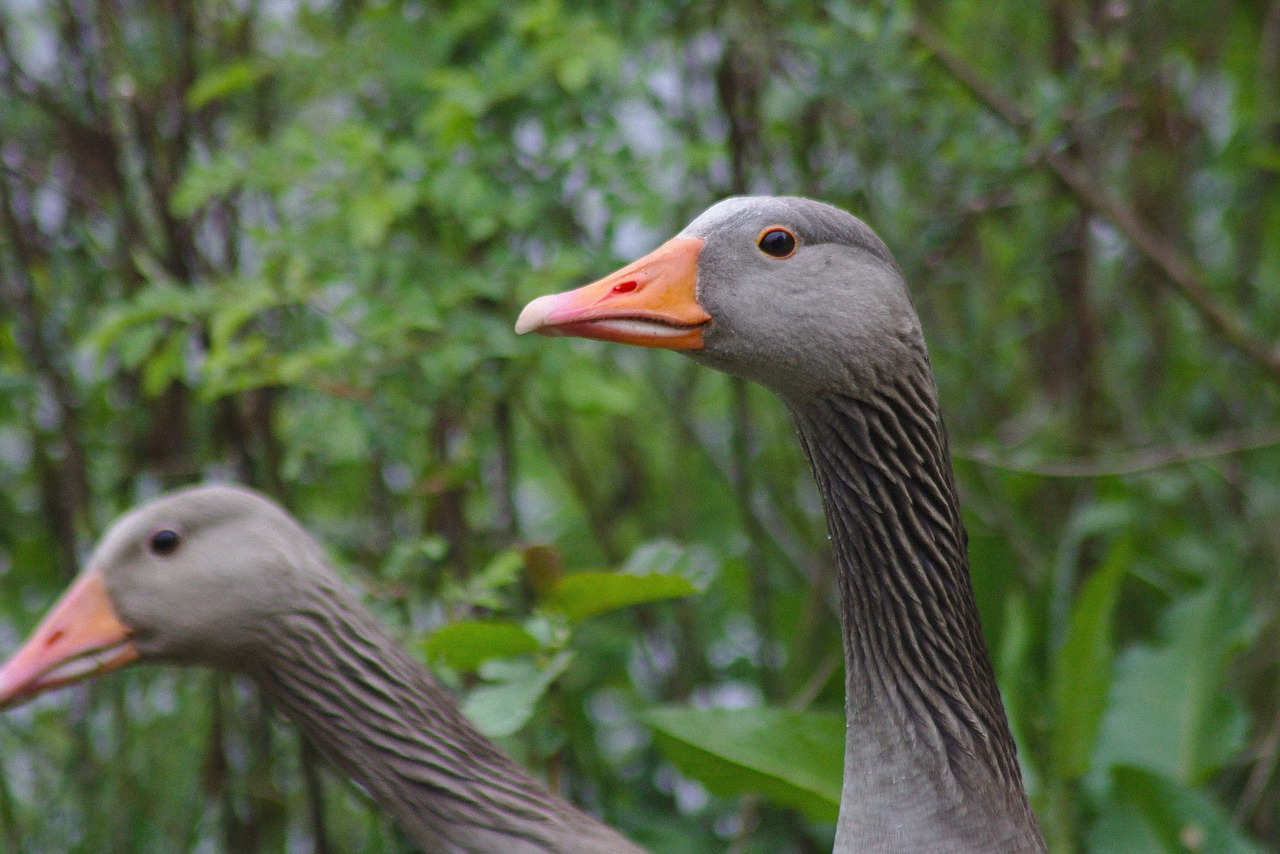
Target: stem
310, 760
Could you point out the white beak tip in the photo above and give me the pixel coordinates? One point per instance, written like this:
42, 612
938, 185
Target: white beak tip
7, 686
534, 315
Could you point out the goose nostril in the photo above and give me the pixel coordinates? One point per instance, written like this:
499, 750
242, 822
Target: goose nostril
54, 637
625, 287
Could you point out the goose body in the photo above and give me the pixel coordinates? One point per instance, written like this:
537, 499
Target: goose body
805, 299
221, 576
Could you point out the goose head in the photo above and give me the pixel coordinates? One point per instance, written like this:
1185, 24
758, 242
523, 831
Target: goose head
200, 576
797, 295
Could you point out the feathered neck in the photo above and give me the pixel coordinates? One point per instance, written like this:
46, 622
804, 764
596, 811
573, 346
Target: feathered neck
383, 719
930, 764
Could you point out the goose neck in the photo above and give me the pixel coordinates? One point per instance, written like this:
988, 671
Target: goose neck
930, 764
382, 718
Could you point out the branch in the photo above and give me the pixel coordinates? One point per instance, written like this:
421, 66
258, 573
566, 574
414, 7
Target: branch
1136, 462
311, 762
1180, 269
19, 82
1269, 75
766, 519
39, 348
578, 476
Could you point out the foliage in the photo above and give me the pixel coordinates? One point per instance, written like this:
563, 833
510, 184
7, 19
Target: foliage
285, 244
787, 756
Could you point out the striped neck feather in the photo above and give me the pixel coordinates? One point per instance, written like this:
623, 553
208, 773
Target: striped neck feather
930, 764
383, 719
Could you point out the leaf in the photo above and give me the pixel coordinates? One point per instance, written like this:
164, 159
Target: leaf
226, 80
994, 572
166, 364
1150, 813
574, 72
1267, 157
1121, 829
590, 392
585, 594
1083, 665
1013, 671
374, 211
502, 709
793, 758
1168, 713
484, 588
132, 342
467, 644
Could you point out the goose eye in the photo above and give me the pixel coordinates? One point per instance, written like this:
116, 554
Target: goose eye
777, 241
165, 542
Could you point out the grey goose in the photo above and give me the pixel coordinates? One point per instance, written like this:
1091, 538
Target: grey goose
805, 299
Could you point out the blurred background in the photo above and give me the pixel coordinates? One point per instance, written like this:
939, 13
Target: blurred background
284, 243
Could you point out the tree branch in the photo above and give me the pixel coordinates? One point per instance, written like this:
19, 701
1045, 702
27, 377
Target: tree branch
1181, 271
30, 330
1136, 462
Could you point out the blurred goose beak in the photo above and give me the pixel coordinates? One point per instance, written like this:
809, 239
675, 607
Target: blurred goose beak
81, 637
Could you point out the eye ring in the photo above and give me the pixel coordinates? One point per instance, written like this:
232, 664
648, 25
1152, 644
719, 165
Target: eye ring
164, 542
777, 241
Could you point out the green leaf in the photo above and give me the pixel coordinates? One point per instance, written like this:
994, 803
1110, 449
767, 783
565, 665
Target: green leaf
591, 392
574, 72
1267, 157
484, 588
467, 644
793, 758
226, 80
585, 594
1014, 673
239, 303
1082, 668
994, 573
131, 341
374, 211
502, 709
1168, 713
1152, 814
164, 366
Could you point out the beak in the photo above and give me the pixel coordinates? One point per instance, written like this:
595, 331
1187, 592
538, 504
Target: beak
82, 636
651, 302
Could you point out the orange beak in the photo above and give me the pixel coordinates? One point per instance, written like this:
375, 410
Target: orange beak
651, 302
82, 636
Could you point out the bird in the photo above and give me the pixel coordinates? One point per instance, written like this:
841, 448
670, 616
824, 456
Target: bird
805, 299
220, 575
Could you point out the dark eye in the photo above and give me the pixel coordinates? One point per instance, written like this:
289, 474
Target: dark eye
778, 242
165, 542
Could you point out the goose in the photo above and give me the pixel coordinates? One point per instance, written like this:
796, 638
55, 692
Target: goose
805, 299
220, 575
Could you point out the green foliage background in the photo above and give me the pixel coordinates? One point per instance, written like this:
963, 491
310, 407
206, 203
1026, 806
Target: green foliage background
284, 243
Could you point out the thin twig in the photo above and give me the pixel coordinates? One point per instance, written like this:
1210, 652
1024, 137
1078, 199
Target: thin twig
1136, 462
1181, 270
578, 476
817, 680
311, 761
39, 343
785, 539
1263, 769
